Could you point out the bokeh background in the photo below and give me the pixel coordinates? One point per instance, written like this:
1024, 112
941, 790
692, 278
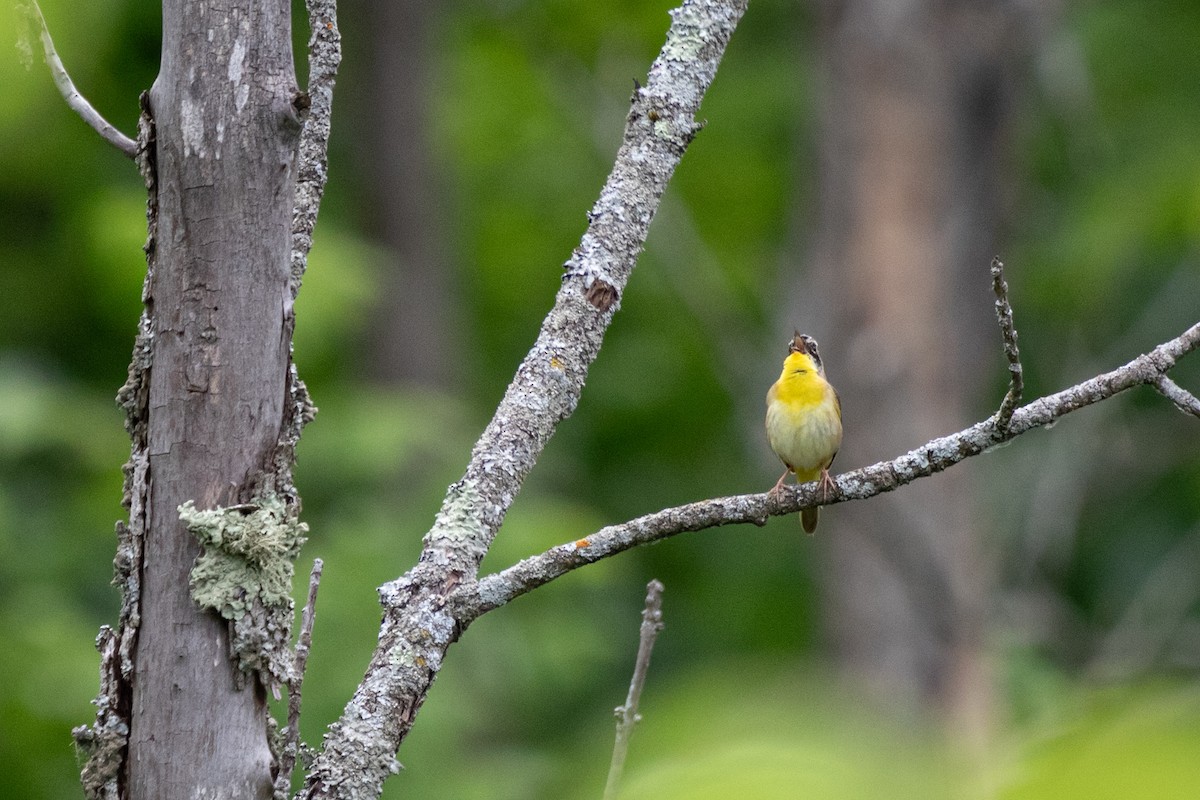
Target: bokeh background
1026, 626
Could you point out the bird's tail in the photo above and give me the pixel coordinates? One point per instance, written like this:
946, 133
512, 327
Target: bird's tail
809, 517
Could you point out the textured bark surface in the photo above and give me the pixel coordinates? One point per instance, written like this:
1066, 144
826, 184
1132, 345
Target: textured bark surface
217, 303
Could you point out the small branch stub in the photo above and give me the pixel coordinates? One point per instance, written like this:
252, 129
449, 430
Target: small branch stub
601, 294
1008, 330
627, 715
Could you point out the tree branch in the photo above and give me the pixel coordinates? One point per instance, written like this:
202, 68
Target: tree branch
1184, 400
495, 590
76, 101
627, 715
660, 126
315, 108
291, 734
1008, 330
312, 172
316, 105
418, 627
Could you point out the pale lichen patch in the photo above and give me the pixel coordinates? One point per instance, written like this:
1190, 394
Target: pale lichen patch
191, 125
245, 574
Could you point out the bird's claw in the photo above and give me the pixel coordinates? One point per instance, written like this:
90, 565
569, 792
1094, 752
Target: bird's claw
826, 484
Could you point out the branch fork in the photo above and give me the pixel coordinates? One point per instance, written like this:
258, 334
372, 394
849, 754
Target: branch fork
478, 597
422, 615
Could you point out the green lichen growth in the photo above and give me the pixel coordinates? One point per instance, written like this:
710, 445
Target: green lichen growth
245, 574
459, 513
456, 533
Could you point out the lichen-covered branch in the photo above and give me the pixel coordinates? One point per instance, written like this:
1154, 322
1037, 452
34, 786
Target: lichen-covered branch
66, 87
548, 383
316, 105
1184, 400
1008, 330
417, 628
492, 591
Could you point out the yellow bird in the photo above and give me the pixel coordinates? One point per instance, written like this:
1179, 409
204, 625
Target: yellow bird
804, 420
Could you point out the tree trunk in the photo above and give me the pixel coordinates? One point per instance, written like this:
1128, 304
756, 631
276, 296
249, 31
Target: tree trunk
414, 326
219, 309
913, 117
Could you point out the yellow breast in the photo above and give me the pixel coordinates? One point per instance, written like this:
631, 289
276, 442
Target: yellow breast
804, 418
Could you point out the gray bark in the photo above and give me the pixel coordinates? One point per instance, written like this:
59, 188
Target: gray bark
218, 303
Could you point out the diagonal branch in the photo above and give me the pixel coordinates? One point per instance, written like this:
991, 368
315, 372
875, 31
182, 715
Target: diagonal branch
497, 589
546, 389
418, 626
324, 57
1184, 400
76, 101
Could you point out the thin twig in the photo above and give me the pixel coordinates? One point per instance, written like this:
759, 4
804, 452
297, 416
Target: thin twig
291, 734
492, 591
1008, 330
1184, 400
627, 715
316, 109
76, 101
324, 57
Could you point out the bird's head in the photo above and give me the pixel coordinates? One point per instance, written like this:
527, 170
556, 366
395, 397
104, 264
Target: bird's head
805, 345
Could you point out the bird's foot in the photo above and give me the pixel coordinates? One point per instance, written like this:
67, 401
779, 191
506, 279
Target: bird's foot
826, 484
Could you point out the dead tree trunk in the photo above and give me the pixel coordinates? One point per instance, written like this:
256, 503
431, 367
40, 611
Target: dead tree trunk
215, 348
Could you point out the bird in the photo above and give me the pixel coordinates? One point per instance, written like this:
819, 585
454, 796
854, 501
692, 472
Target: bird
804, 421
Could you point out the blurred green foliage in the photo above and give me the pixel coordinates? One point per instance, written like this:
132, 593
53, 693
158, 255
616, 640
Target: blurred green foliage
1103, 263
